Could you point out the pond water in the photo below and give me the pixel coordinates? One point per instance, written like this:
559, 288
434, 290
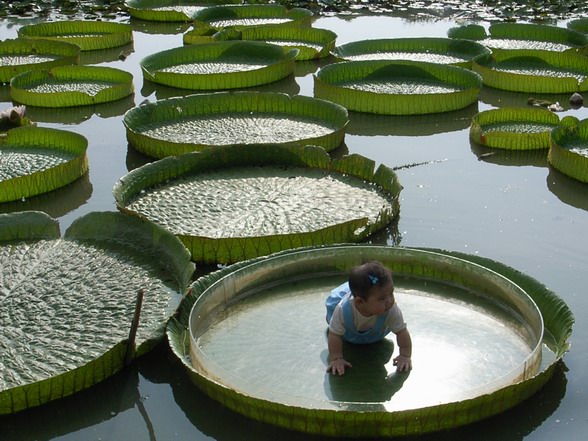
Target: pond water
510, 207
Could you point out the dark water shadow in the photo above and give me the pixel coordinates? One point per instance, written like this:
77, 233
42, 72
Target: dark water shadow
389, 235
5, 94
504, 98
56, 203
158, 27
136, 159
507, 157
367, 124
109, 55
339, 152
568, 190
79, 114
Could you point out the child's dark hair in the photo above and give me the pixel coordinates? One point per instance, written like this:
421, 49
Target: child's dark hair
363, 278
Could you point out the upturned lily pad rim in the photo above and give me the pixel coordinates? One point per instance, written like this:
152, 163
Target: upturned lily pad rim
219, 103
557, 317
560, 157
511, 140
428, 45
298, 16
146, 9
120, 85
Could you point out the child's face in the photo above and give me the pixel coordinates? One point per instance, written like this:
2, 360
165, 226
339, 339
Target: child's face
380, 299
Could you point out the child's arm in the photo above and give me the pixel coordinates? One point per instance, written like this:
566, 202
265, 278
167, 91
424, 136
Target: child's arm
337, 363
404, 342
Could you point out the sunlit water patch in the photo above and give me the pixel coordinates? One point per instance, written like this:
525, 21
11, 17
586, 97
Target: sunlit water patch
399, 87
18, 162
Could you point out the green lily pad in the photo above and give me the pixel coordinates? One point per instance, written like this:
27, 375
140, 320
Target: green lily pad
88, 35
397, 87
242, 16
514, 128
535, 71
229, 204
311, 43
569, 149
169, 10
220, 65
474, 311
71, 86
68, 303
20, 55
179, 125
37, 160
579, 24
433, 50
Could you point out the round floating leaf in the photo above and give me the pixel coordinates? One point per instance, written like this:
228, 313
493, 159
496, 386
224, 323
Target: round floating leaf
242, 16
579, 24
514, 128
433, 50
20, 55
36, 160
179, 125
169, 10
88, 35
232, 203
468, 32
535, 71
71, 86
67, 304
569, 150
397, 87
220, 65
288, 274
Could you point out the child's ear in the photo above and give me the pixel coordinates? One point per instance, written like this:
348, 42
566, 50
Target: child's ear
359, 300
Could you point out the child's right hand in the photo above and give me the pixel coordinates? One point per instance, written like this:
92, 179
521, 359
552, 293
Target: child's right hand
337, 366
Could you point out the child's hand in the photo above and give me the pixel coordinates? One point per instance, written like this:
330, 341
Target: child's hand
402, 363
337, 366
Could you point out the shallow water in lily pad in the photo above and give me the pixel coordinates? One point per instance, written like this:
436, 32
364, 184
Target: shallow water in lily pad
19, 162
515, 127
510, 44
87, 87
249, 22
540, 71
413, 56
404, 87
211, 68
24, 59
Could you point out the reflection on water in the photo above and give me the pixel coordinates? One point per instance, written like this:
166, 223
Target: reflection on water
507, 157
505, 98
106, 55
568, 190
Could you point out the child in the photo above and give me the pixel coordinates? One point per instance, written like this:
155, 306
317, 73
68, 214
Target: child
363, 311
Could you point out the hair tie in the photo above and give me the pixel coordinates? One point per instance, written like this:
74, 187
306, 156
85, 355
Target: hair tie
373, 279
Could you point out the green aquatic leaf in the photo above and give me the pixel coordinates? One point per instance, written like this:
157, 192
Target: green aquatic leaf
37, 160
434, 50
242, 16
88, 35
397, 87
579, 24
68, 304
468, 32
514, 128
221, 202
219, 65
169, 10
179, 125
568, 152
71, 86
21, 55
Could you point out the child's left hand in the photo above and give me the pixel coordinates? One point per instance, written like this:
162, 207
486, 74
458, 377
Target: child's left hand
402, 363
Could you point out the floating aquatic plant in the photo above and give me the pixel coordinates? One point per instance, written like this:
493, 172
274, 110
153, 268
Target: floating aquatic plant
568, 152
397, 87
222, 202
71, 86
68, 303
242, 16
179, 125
169, 10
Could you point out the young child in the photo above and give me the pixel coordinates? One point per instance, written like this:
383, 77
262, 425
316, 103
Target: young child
363, 311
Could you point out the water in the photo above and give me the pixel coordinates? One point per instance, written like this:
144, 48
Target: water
509, 207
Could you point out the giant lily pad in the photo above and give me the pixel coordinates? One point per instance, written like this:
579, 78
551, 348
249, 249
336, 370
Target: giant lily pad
232, 203
242, 16
71, 86
37, 160
579, 24
535, 71
88, 35
169, 10
220, 65
397, 87
179, 125
18, 56
568, 152
504, 330
514, 128
434, 50
68, 303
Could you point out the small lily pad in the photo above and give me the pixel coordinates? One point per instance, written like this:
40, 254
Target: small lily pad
229, 204
397, 87
514, 128
71, 86
37, 160
169, 10
20, 55
433, 50
68, 303
179, 125
569, 149
242, 16
220, 65
535, 71
88, 35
